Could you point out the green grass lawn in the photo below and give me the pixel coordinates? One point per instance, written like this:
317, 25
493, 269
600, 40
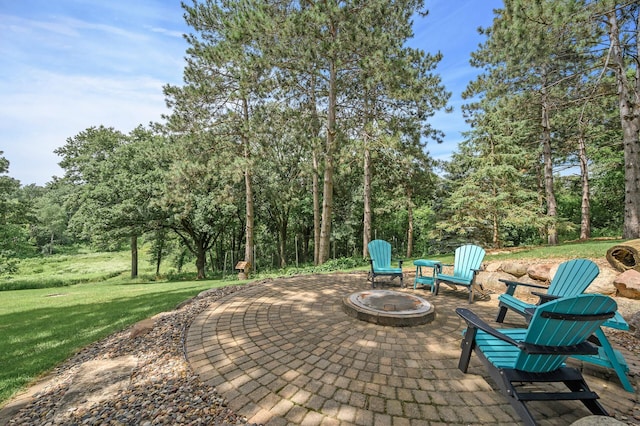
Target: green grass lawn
593, 249
42, 327
65, 269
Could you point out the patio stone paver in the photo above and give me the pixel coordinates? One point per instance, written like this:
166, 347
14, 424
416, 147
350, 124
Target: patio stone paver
284, 352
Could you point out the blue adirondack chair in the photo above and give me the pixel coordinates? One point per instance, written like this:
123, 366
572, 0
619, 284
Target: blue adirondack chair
466, 264
571, 279
519, 360
380, 259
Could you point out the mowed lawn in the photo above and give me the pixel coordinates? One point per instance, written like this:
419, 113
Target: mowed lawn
40, 328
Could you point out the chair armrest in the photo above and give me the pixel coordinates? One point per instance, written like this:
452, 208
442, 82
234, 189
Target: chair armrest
544, 297
438, 269
617, 322
584, 348
475, 321
472, 320
516, 283
511, 286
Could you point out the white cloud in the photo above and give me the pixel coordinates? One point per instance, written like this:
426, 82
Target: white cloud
165, 31
67, 66
36, 121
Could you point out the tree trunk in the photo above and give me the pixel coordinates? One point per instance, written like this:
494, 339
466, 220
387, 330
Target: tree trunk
585, 216
212, 262
201, 260
306, 236
249, 240
552, 231
316, 127
366, 221
282, 243
316, 209
159, 253
495, 238
629, 103
410, 222
327, 190
134, 256
496, 229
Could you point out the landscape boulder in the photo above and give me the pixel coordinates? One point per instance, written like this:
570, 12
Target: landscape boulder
627, 284
96, 381
491, 267
540, 272
603, 283
516, 269
634, 323
142, 327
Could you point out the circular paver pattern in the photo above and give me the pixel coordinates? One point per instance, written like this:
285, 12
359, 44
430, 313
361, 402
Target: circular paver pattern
284, 352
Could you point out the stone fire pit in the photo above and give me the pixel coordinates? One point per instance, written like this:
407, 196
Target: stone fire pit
390, 308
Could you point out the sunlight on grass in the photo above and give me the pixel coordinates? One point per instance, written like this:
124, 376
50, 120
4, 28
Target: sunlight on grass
61, 270
41, 327
48, 345
593, 249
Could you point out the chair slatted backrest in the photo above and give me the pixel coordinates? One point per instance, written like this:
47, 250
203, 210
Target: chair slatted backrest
583, 314
467, 258
380, 252
573, 277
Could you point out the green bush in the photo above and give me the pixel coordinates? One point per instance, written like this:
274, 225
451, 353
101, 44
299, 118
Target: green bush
8, 262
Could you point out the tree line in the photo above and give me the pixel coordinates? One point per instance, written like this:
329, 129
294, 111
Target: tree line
300, 134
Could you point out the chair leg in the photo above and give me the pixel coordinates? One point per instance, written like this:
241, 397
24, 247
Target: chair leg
501, 314
518, 397
592, 404
468, 344
621, 370
519, 406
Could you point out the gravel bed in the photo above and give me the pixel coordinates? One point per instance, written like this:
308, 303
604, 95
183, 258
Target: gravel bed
163, 390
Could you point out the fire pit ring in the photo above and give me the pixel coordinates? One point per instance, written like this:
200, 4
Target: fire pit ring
390, 308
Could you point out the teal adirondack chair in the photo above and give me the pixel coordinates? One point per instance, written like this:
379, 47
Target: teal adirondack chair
380, 259
571, 279
520, 360
466, 264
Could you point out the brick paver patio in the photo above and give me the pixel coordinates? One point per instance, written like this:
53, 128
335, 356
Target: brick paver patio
284, 352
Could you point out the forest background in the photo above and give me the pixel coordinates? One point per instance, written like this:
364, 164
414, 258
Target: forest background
299, 135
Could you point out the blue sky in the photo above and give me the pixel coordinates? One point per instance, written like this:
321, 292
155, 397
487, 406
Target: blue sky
66, 65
